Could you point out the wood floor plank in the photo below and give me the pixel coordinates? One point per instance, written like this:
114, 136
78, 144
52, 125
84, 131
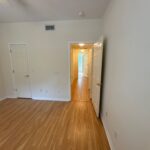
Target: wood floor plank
80, 89
50, 125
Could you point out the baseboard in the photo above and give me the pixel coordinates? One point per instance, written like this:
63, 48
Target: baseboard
108, 135
45, 99
1, 99
11, 97
51, 99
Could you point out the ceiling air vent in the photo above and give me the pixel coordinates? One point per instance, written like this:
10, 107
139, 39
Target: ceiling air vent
50, 27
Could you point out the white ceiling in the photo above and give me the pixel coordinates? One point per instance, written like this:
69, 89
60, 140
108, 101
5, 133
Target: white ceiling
44, 10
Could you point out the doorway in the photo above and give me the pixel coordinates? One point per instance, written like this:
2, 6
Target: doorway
20, 70
86, 70
81, 59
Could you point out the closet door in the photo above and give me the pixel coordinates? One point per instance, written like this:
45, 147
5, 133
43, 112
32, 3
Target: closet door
20, 65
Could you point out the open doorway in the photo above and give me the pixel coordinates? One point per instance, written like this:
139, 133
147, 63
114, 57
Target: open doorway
86, 73
81, 71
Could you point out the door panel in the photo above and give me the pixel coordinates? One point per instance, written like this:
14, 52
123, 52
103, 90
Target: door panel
96, 77
21, 70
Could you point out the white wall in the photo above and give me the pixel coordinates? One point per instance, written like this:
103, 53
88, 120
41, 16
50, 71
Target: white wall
127, 78
2, 90
49, 54
2, 93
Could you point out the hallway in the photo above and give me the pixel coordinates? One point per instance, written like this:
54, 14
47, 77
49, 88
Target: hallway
81, 99
80, 91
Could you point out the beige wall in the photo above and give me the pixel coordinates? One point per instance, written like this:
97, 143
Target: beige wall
126, 103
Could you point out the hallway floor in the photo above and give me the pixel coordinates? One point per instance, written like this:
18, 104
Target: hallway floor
80, 91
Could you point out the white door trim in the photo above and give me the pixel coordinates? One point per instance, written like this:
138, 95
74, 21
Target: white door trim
11, 66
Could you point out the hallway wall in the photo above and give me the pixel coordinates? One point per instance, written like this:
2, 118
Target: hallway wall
74, 64
85, 62
126, 103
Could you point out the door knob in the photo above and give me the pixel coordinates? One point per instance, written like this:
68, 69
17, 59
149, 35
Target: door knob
98, 84
27, 76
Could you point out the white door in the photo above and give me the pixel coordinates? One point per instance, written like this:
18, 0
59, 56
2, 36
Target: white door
20, 69
96, 76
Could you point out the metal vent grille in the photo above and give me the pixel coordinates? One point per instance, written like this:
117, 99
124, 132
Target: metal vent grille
50, 27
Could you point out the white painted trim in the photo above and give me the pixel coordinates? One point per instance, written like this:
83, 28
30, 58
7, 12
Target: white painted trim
17, 43
108, 134
43, 99
2, 98
51, 99
11, 97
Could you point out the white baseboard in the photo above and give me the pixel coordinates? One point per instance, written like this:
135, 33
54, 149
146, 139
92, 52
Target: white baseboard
46, 99
11, 97
51, 99
3, 98
108, 135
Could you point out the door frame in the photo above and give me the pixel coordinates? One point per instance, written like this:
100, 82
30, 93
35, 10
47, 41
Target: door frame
69, 61
11, 67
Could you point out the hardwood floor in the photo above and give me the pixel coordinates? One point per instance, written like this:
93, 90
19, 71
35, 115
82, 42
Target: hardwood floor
44, 125
80, 91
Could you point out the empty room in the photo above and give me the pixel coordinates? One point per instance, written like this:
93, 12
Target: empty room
74, 75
